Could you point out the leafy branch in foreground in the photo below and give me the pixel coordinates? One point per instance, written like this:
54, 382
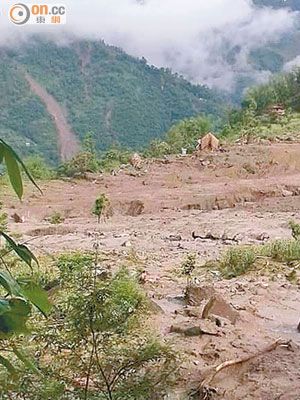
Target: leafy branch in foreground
17, 298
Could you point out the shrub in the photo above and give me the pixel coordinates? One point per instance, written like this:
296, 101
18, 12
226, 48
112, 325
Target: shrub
188, 266
99, 325
282, 250
237, 261
38, 168
295, 229
56, 218
100, 206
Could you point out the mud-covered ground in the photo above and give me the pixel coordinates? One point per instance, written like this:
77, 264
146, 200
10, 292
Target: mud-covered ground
246, 192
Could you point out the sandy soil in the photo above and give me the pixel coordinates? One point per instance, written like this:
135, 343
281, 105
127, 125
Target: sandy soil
249, 191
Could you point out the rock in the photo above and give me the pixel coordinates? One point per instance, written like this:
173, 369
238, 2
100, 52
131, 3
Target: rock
126, 244
262, 237
286, 193
136, 207
174, 238
195, 294
16, 217
219, 307
177, 299
155, 308
192, 312
298, 327
205, 328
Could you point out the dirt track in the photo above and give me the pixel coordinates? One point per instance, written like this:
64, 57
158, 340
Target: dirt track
246, 191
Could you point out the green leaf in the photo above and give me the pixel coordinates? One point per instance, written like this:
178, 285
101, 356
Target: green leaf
10, 284
1, 152
39, 297
10, 368
4, 306
6, 146
13, 171
14, 317
28, 363
23, 252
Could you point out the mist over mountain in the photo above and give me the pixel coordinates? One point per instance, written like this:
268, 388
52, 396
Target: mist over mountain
209, 42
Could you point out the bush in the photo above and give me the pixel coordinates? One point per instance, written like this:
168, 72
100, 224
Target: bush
56, 218
237, 261
282, 250
78, 166
38, 168
100, 206
97, 331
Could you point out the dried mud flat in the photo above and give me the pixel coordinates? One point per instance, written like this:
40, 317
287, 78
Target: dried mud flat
249, 192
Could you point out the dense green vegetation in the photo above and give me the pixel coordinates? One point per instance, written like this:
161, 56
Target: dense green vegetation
101, 89
24, 121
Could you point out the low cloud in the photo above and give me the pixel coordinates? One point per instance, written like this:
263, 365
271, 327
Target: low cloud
208, 41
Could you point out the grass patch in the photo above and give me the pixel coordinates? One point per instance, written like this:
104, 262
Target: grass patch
237, 261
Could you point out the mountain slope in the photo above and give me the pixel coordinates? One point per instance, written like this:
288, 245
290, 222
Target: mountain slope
98, 88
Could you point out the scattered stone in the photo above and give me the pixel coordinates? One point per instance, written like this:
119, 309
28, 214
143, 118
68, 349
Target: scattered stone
16, 217
219, 307
136, 207
177, 299
155, 308
206, 328
219, 321
195, 294
174, 238
262, 237
192, 312
127, 243
286, 193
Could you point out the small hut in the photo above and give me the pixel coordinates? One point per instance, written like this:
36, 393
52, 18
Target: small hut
208, 143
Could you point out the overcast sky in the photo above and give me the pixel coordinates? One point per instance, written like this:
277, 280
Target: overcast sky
193, 37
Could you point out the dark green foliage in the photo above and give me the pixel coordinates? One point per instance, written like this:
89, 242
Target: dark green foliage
295, 227
100, 206
185, 133
103, 90
24, 121
38, 168
97, 330
17, 298
237, 261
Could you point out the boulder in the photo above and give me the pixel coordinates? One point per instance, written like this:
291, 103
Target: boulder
217, 306
196, 294
205, 328
136, 207
16, 217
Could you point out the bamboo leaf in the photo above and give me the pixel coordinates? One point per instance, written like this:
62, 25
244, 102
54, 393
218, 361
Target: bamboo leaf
10, 284
27, 362
23, 251
13, 171
1, 152
10, 368
17, 158
39, 297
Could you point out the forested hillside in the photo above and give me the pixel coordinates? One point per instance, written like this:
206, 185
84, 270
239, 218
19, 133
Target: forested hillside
100, 88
